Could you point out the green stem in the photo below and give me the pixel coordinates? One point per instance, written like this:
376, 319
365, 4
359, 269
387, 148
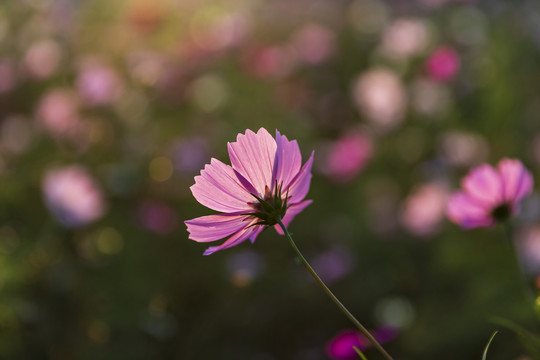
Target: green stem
331, 295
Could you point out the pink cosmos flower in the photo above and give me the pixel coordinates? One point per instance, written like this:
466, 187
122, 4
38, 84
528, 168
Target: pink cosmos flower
490, 195
265, 182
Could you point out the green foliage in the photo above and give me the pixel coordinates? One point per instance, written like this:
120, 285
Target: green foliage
530, 340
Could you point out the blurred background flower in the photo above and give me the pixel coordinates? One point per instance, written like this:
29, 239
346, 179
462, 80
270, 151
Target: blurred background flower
72, 196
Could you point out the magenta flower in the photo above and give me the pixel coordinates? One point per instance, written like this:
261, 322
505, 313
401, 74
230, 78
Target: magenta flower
265, 182
443, 64
490, 195
341, 347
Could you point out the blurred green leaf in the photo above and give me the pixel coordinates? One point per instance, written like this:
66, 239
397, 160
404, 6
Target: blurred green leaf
530, 340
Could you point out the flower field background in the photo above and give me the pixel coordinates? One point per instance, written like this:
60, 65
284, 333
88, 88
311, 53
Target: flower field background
108, 109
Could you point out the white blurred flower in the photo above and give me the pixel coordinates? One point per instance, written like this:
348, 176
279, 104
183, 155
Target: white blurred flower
405, 38
463, 149
380, 95
72, 196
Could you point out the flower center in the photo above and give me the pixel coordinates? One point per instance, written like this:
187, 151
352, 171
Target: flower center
501, 212
270, 208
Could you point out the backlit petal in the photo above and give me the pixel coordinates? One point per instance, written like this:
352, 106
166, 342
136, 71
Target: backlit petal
252, 155
234, 240
300, 185
218, 188
517, 181
287, 162
215, 227
485, 185
467, 212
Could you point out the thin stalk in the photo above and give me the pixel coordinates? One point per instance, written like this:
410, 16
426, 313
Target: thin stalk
331, 295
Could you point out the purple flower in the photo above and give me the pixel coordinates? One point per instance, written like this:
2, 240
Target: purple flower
341, 346
490, 195
265, 182
97, 83
158, 218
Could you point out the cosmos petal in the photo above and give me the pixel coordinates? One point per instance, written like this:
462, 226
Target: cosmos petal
517, 181
467, 212
292, 211
234, 240
288, 161
252, 156
215, 227
300, 185
218, 188
258, 230
484, 184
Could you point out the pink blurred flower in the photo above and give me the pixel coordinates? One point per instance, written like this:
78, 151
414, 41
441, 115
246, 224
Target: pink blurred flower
424, 209
98, 83
341, 346
43, 58
490, 195
266, 181
72, 196
57, 112
8, 75
528, 245
271, 62
443, 64
347, 157
313, 43
158, 218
